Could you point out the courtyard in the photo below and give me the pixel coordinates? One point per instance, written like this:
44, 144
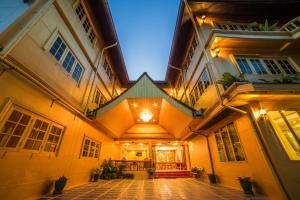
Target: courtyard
152, 189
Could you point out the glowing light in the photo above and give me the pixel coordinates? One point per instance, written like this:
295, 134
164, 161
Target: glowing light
203, 17
158, 144
153, 120
262, 112
155, 105
215, 52
118, 91
141, 144
138, 120
282, 111
146, 115
134, 105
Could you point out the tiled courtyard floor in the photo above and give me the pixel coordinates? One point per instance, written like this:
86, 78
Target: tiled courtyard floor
171, 189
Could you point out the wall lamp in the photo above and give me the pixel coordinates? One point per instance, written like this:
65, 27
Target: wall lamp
216, 52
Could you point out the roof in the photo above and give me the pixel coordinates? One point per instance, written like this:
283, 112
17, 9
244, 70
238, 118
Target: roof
105, 23
239, 10
120, 118
145, 87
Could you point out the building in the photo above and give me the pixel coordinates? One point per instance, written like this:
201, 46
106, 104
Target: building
229, 104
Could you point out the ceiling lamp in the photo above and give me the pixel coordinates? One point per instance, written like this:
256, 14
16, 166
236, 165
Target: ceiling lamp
146, 115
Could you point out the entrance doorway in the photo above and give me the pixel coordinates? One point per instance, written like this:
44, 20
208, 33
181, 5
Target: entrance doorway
169, 157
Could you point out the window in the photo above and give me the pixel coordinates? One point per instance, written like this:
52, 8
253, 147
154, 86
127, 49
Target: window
99, 98
14, 129
53, 139
259, 68
90, 148
58, 48
228, 144
68, 62
66, 58
76, 75
108, 70
38, 133
252, 65
80, 11
244, 66
200, 87
85, 22
287, 129
191, 52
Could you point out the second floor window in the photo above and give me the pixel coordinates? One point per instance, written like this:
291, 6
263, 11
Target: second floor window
200, 87
62, 53
253, 65
228, 144
191, 52
108, 70
85, 22
99, 98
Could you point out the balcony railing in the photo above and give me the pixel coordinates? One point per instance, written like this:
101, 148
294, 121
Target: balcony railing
292, 25
170, 166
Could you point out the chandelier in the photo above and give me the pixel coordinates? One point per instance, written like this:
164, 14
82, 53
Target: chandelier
146, 115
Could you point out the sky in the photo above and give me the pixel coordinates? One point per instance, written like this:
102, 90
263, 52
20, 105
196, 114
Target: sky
145, 31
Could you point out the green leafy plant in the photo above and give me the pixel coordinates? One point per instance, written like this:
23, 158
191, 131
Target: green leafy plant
264, 26
228, 79
284, 78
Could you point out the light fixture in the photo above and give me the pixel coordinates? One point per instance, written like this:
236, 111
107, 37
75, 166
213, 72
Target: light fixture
262, 112
215, 52
203, 17
155, 105
146, 115
139, 120
282, 111
153, 120
134, 105
118, 91
141, 144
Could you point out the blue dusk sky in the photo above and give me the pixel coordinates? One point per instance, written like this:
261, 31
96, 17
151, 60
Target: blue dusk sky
145, 31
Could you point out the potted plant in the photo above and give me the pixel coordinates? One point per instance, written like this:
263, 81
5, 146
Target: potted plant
96, 173
246, 184
197, 171
151, 172
59, 185
212, 178
107, 169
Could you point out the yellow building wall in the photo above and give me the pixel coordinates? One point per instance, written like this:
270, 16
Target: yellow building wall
256, 166
25, 174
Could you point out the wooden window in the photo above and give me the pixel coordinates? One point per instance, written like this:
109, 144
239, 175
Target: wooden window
244, 66
254, 65
58, 47
77, 72
200, 87
287, 129
37, 132
13, 129
108, 70
228, 144
67, 59
259, 68
37, 135
80, 11
53, 139
99, 98
90, 148
85, 22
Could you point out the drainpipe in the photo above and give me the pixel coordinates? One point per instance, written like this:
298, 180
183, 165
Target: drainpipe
210, 63
94, 77
208, 146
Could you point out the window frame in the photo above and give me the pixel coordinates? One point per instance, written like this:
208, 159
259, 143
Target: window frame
262, 59
219, 133
100, 95
10, 107
91, 28
62, 59
85, 137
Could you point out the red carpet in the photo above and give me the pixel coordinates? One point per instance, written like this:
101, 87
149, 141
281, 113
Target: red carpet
173, 174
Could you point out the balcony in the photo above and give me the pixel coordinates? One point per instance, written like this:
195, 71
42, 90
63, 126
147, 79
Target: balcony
292, 27
241, 36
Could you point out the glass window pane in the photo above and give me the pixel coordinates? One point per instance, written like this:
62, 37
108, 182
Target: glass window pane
284, 134
227, 145
220, 148
237, 147
244, 66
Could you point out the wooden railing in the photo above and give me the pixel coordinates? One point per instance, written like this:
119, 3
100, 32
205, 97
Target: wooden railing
170, 166
134, 165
